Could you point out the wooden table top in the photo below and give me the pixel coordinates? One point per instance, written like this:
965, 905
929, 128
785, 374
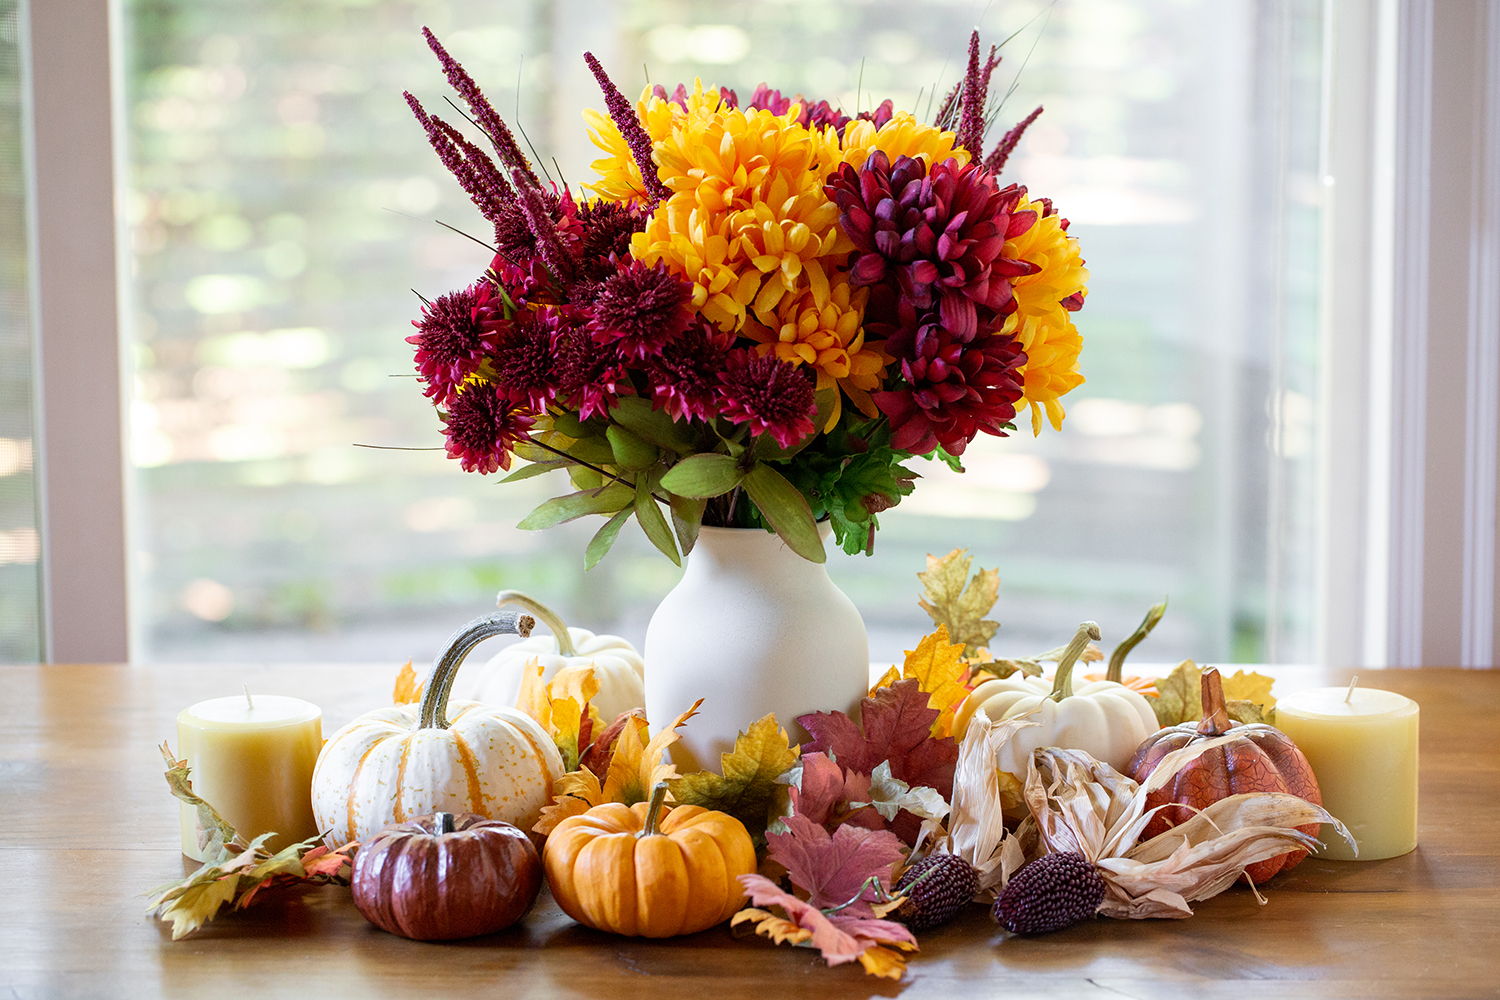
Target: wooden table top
88, 826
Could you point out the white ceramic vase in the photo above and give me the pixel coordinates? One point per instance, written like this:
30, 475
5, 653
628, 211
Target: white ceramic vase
751, 628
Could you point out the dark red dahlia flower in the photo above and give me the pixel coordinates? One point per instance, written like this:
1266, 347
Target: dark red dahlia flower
684, 377
523, 362
640, 309
939, 234
589, 376
482, 428
773, 396
455, 335
604, 231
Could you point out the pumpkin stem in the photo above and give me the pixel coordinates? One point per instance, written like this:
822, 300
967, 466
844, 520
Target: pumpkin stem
1215, 716
433, 712
544, 614
1116, 670
1062, 682
653, 810
442, 823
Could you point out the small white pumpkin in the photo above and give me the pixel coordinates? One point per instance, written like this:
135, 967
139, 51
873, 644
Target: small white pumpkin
616, 663
1106, 720
413, 760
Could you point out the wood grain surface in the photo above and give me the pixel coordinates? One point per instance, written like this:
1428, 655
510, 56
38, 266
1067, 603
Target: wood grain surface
87, 826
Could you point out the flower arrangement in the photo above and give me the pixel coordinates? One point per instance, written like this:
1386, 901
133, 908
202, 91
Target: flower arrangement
756, 314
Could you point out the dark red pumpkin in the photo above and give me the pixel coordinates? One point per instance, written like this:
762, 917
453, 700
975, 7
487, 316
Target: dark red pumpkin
1263, 759
441, 877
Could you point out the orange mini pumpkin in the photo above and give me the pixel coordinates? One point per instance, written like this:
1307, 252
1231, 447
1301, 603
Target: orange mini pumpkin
648, 871
1263, 759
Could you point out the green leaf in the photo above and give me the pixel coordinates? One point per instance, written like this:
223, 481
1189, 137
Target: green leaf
531, 470
629, 451
687, 518
584, 478
637, 415
604, 538
569, 425
706, 475
594, 450
651, 521
784, 506
572, 506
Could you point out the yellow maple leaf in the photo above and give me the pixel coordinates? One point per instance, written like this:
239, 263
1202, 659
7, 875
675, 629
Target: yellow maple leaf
891, 676
1250, 687
408, 688
884, 962
938, 668
767, 924
959, 608
1179, 695
574, 793
746, 786
635, 769
561, 705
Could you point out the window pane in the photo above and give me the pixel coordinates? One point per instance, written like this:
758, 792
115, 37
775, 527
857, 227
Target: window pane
283, 202
19, 617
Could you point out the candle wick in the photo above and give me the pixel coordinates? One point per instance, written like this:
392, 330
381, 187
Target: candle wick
248, 699
1352, 681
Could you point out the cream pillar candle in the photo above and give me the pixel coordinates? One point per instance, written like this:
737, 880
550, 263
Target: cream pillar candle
252, 760
1362, 745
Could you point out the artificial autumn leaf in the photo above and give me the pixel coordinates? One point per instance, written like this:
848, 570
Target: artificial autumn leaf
236, 872
408, 689
747, 786
937, 666
840, 936
634, 769
959, 608
1179, 696
597, 757
563, 707
897, 727
889, 795
839, 869
824, 792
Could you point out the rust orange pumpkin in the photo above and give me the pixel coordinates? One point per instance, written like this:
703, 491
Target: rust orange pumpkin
648, 871
1263, 759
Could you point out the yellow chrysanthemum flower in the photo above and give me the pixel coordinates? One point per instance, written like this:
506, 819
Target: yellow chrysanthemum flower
619, 174
903, 135
830, 339
1042, 325
747, 219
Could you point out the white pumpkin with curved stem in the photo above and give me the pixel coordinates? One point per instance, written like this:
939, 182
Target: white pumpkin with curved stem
616, 663
1106, 720
460, 757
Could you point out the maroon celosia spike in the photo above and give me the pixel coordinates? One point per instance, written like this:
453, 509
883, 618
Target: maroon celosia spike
497, 190
484, 114
996, 161
971, 121
623, 114
549, 245
442, 142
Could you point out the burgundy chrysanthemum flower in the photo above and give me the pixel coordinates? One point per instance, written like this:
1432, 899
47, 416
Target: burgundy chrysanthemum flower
531, 283
773, 396
482, 428
940, 234
523, 361
951, 388
589, 376
454, 338
640, 309
604, 230
685, 375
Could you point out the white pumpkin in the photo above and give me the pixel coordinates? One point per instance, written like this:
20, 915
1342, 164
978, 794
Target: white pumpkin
618, 666
1106, 720
411, 760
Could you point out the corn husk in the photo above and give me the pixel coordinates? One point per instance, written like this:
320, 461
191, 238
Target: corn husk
1080, 804
976, 823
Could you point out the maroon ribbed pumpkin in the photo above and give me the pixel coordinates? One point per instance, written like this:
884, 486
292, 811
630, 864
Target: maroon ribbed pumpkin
441, 877
1263, 759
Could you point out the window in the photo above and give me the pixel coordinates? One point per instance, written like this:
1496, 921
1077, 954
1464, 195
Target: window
281, 208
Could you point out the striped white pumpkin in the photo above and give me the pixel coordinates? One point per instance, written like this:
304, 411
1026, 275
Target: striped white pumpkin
384, 768
396, 763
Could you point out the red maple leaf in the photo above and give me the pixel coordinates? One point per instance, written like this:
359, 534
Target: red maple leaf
897, 728
826, 791
842, 936
835, 869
